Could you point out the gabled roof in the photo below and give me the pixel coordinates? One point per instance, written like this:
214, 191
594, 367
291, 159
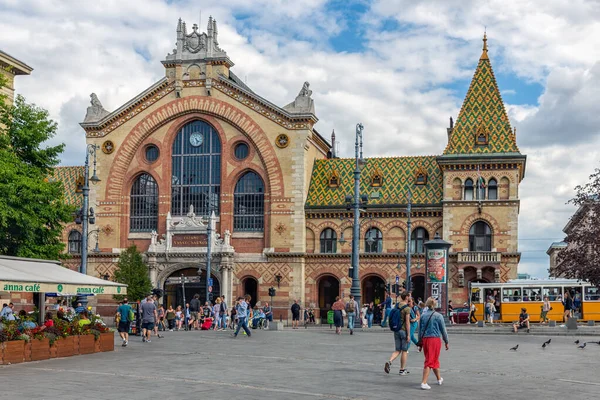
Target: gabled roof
399, 175
69, 176
482, 111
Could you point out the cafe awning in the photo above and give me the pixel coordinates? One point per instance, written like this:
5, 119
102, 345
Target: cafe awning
34, 276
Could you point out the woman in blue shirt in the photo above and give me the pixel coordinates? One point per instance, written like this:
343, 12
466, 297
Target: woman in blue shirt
431, 331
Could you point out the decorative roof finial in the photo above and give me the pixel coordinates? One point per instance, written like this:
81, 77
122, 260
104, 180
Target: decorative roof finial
484, 54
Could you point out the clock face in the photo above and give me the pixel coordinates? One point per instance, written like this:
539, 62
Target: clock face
196, 139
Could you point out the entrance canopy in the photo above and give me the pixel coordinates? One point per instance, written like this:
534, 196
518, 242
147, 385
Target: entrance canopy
46, 276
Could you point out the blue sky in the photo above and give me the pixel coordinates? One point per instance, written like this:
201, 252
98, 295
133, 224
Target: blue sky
401, 67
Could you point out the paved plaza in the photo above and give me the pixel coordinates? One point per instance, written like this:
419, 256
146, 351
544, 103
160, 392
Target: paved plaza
306, 364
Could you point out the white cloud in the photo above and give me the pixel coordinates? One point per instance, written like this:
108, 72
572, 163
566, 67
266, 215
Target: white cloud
397, 87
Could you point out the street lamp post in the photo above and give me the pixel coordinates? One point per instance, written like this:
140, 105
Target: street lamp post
359, 162
87, 212
209, 254
408, 242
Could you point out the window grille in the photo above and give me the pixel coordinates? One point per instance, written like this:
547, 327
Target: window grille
144, 204
196, 170
249, 204
328, 241
74, 242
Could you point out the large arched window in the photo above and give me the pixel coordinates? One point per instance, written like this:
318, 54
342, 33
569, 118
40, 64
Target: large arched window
373, 241
468, 189
196, 172
492, 189
249, 200
417, 240
74, 242
328, 241
480, 237
143, 216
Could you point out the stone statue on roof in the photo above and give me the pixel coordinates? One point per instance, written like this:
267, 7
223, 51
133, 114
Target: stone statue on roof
95, 112
303, 104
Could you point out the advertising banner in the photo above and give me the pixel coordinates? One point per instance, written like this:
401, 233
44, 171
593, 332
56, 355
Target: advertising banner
436, 266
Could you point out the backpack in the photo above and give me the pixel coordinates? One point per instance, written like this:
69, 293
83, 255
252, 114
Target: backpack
351, 306
131, 315
396, 320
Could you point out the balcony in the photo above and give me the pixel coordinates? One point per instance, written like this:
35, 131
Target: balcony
479, 257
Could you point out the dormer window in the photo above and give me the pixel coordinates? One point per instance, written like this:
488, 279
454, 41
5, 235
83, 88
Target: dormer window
334, 181
79, 184
376, 179
421, 177
481, 137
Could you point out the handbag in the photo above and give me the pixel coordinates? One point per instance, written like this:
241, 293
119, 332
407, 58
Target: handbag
420, 341
343, 313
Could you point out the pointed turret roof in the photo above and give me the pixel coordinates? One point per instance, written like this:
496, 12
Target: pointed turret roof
482, 125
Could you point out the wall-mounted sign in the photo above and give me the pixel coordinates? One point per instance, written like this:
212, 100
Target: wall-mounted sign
199, 240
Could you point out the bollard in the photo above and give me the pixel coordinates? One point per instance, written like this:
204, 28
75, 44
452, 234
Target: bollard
480, 324
571, 323
591, 323
552, 324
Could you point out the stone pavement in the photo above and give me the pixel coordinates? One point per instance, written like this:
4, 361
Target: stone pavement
309, 364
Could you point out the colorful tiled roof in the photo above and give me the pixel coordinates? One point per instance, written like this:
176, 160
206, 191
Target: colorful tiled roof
399, 175
69, 176
482, 111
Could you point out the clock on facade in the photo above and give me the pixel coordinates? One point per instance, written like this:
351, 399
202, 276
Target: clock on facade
196, 139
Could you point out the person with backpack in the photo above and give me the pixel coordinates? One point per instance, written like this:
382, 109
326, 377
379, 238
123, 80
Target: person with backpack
126, 317
399, 320
352, 310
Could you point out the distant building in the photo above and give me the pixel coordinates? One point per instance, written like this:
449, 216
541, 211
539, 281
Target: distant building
553, 251
9, 68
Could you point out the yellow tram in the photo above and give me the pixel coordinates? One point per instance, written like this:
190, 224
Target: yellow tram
511, 296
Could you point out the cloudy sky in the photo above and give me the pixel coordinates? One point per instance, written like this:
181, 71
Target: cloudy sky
401, 68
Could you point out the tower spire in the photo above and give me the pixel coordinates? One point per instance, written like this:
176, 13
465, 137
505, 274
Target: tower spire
484, 54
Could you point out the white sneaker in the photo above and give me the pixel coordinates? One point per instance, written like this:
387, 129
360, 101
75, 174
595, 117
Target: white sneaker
441, 381
425, 386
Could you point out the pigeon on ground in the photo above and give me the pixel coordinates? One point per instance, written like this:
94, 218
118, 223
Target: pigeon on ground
547, 342
544, 345
514, 348
582, 346
576, 342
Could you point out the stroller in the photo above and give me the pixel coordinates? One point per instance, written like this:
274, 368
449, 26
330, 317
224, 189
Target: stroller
260, 320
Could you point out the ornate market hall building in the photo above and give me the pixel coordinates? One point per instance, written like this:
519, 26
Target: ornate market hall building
200, 140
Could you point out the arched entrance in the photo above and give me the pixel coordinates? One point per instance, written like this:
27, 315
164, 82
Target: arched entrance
174, 294
418, 287
373, 290
329, 289
250, 286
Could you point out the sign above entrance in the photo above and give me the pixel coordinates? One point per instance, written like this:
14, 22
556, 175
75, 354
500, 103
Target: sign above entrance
198, 240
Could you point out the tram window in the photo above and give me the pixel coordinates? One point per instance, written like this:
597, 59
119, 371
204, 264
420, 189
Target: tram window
532, 294
475, 295
511, 294
592, 293
553, 293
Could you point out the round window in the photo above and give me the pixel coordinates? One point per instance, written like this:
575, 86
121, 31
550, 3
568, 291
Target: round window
241, 151
152, 153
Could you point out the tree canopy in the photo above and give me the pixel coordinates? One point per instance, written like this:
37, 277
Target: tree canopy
581, 258
32, 209
132, 271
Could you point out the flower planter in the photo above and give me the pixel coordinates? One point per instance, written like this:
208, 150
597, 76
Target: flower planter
13, 352
40, 349
87, 344
107, 341
65, 347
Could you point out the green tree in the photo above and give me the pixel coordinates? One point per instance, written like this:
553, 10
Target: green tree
32, 209
132, 271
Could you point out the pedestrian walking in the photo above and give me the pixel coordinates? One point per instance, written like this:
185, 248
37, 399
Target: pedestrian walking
149, 318
472, 317
451, 312
414, 320
233, 318
338, 316
363, 313
178, 317
568, 305
546, 307
386, 308
295, 314
223, 313
187, 317
195, 310
161, 318
171, 318
400, 325
124, 313
268, 310
353, 313
370, 312
217, 314
242, 313
431, 331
